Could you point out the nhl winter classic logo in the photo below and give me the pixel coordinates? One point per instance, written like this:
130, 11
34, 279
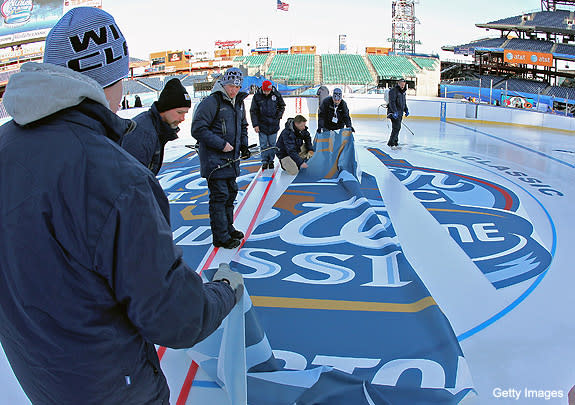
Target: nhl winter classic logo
16, 12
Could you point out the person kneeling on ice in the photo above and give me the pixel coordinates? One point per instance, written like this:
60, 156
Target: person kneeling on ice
294, 145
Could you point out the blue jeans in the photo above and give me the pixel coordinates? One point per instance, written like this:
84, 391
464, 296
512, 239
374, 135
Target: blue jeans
267, 141
223, 193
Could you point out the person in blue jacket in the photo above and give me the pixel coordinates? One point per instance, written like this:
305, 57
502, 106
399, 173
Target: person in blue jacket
333, 113
266, 111
90, 278
221, 129
159, 125
294, 145
396, 107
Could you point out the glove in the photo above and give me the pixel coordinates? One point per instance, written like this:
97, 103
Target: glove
319, 131
395, 116
245, 152
407, 113
233, 278
351, 129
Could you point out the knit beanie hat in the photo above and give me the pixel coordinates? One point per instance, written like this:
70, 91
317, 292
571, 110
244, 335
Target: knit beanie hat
337, 95
266, 85
87, 40
174, 95
232, 76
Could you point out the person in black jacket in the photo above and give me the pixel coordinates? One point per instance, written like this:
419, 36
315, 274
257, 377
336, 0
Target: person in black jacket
333, 113
294, 145
137, 101
266, 111
159, 125
221, 129
396, 107
90, 276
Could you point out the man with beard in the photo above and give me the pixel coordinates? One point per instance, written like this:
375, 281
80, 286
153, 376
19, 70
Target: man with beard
158, 126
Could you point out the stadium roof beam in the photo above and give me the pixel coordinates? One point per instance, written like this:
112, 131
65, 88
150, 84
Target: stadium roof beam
551, 5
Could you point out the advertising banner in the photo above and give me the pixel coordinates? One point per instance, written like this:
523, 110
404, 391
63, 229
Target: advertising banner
528, 57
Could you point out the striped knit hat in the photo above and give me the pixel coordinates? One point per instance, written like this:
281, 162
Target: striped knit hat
87, 40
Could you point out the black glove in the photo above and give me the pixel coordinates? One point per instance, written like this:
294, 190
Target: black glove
245, 152
232, 278
319, 130
352, 130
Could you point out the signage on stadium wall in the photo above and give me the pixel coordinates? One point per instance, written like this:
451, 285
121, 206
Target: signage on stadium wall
69, 4
26, 21
528, 58
228, 44
175, 57
30, 21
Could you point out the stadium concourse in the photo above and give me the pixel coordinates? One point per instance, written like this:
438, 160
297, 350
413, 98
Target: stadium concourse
438, 273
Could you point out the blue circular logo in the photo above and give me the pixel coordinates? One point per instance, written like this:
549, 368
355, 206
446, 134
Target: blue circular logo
509, 56
533, 58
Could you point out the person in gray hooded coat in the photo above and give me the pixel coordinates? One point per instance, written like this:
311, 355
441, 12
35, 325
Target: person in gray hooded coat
90, 277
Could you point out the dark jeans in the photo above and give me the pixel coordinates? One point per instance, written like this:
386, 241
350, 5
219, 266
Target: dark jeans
395, 127
223, 193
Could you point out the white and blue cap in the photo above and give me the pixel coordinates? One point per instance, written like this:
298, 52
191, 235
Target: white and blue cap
87, 40
232, 76
337, 94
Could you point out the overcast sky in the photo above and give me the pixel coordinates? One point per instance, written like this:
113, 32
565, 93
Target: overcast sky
151, 25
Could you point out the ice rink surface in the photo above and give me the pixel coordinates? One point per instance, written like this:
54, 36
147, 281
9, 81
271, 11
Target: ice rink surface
516, 329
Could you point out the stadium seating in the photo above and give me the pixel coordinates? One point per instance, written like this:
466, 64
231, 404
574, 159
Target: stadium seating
251, 60
426, 63
541, 19
393, 67
530, 45
561, 92
292, 68
153, 82
564, 49
342, 68
135, 87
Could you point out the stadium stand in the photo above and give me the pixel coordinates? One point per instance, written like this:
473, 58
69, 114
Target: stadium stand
191, 79
393, 67
561, 92
564, 50
251, 60
529, 45
135, 87
293, 68
426, 63
342, 68
542, 20
526, 86
154, 82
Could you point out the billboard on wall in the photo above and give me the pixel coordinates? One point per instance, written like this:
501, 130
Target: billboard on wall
30, 20
528, 57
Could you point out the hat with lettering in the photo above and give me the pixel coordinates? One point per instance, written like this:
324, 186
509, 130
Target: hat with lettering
87, 40
337, 95
266, 85
232, 76
174, 95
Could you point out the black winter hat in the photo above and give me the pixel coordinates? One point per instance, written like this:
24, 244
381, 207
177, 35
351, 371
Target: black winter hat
174, 95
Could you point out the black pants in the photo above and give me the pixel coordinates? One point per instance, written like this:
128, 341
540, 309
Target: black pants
395, 127
223, 193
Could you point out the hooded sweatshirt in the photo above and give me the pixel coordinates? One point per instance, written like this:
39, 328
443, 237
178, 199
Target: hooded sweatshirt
90, 277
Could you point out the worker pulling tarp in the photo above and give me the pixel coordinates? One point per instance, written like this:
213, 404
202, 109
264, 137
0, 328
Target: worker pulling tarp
335, 313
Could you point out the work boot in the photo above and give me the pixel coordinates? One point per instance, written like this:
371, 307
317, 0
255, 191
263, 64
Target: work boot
237, 234
231, 243
264, 165
270, 165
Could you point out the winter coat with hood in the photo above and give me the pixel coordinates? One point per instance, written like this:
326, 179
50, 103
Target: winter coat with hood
266, 111
147, 142
328, 109
90, 277
291, 140
397, 103
219, 119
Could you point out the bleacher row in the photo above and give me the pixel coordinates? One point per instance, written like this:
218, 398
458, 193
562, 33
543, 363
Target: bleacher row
514, 86
529, 45
338, 68
141, 85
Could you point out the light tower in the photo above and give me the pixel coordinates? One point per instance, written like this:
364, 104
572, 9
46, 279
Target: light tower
403, 22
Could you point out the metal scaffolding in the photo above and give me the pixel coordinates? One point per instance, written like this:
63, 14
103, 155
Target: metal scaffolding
403, 22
